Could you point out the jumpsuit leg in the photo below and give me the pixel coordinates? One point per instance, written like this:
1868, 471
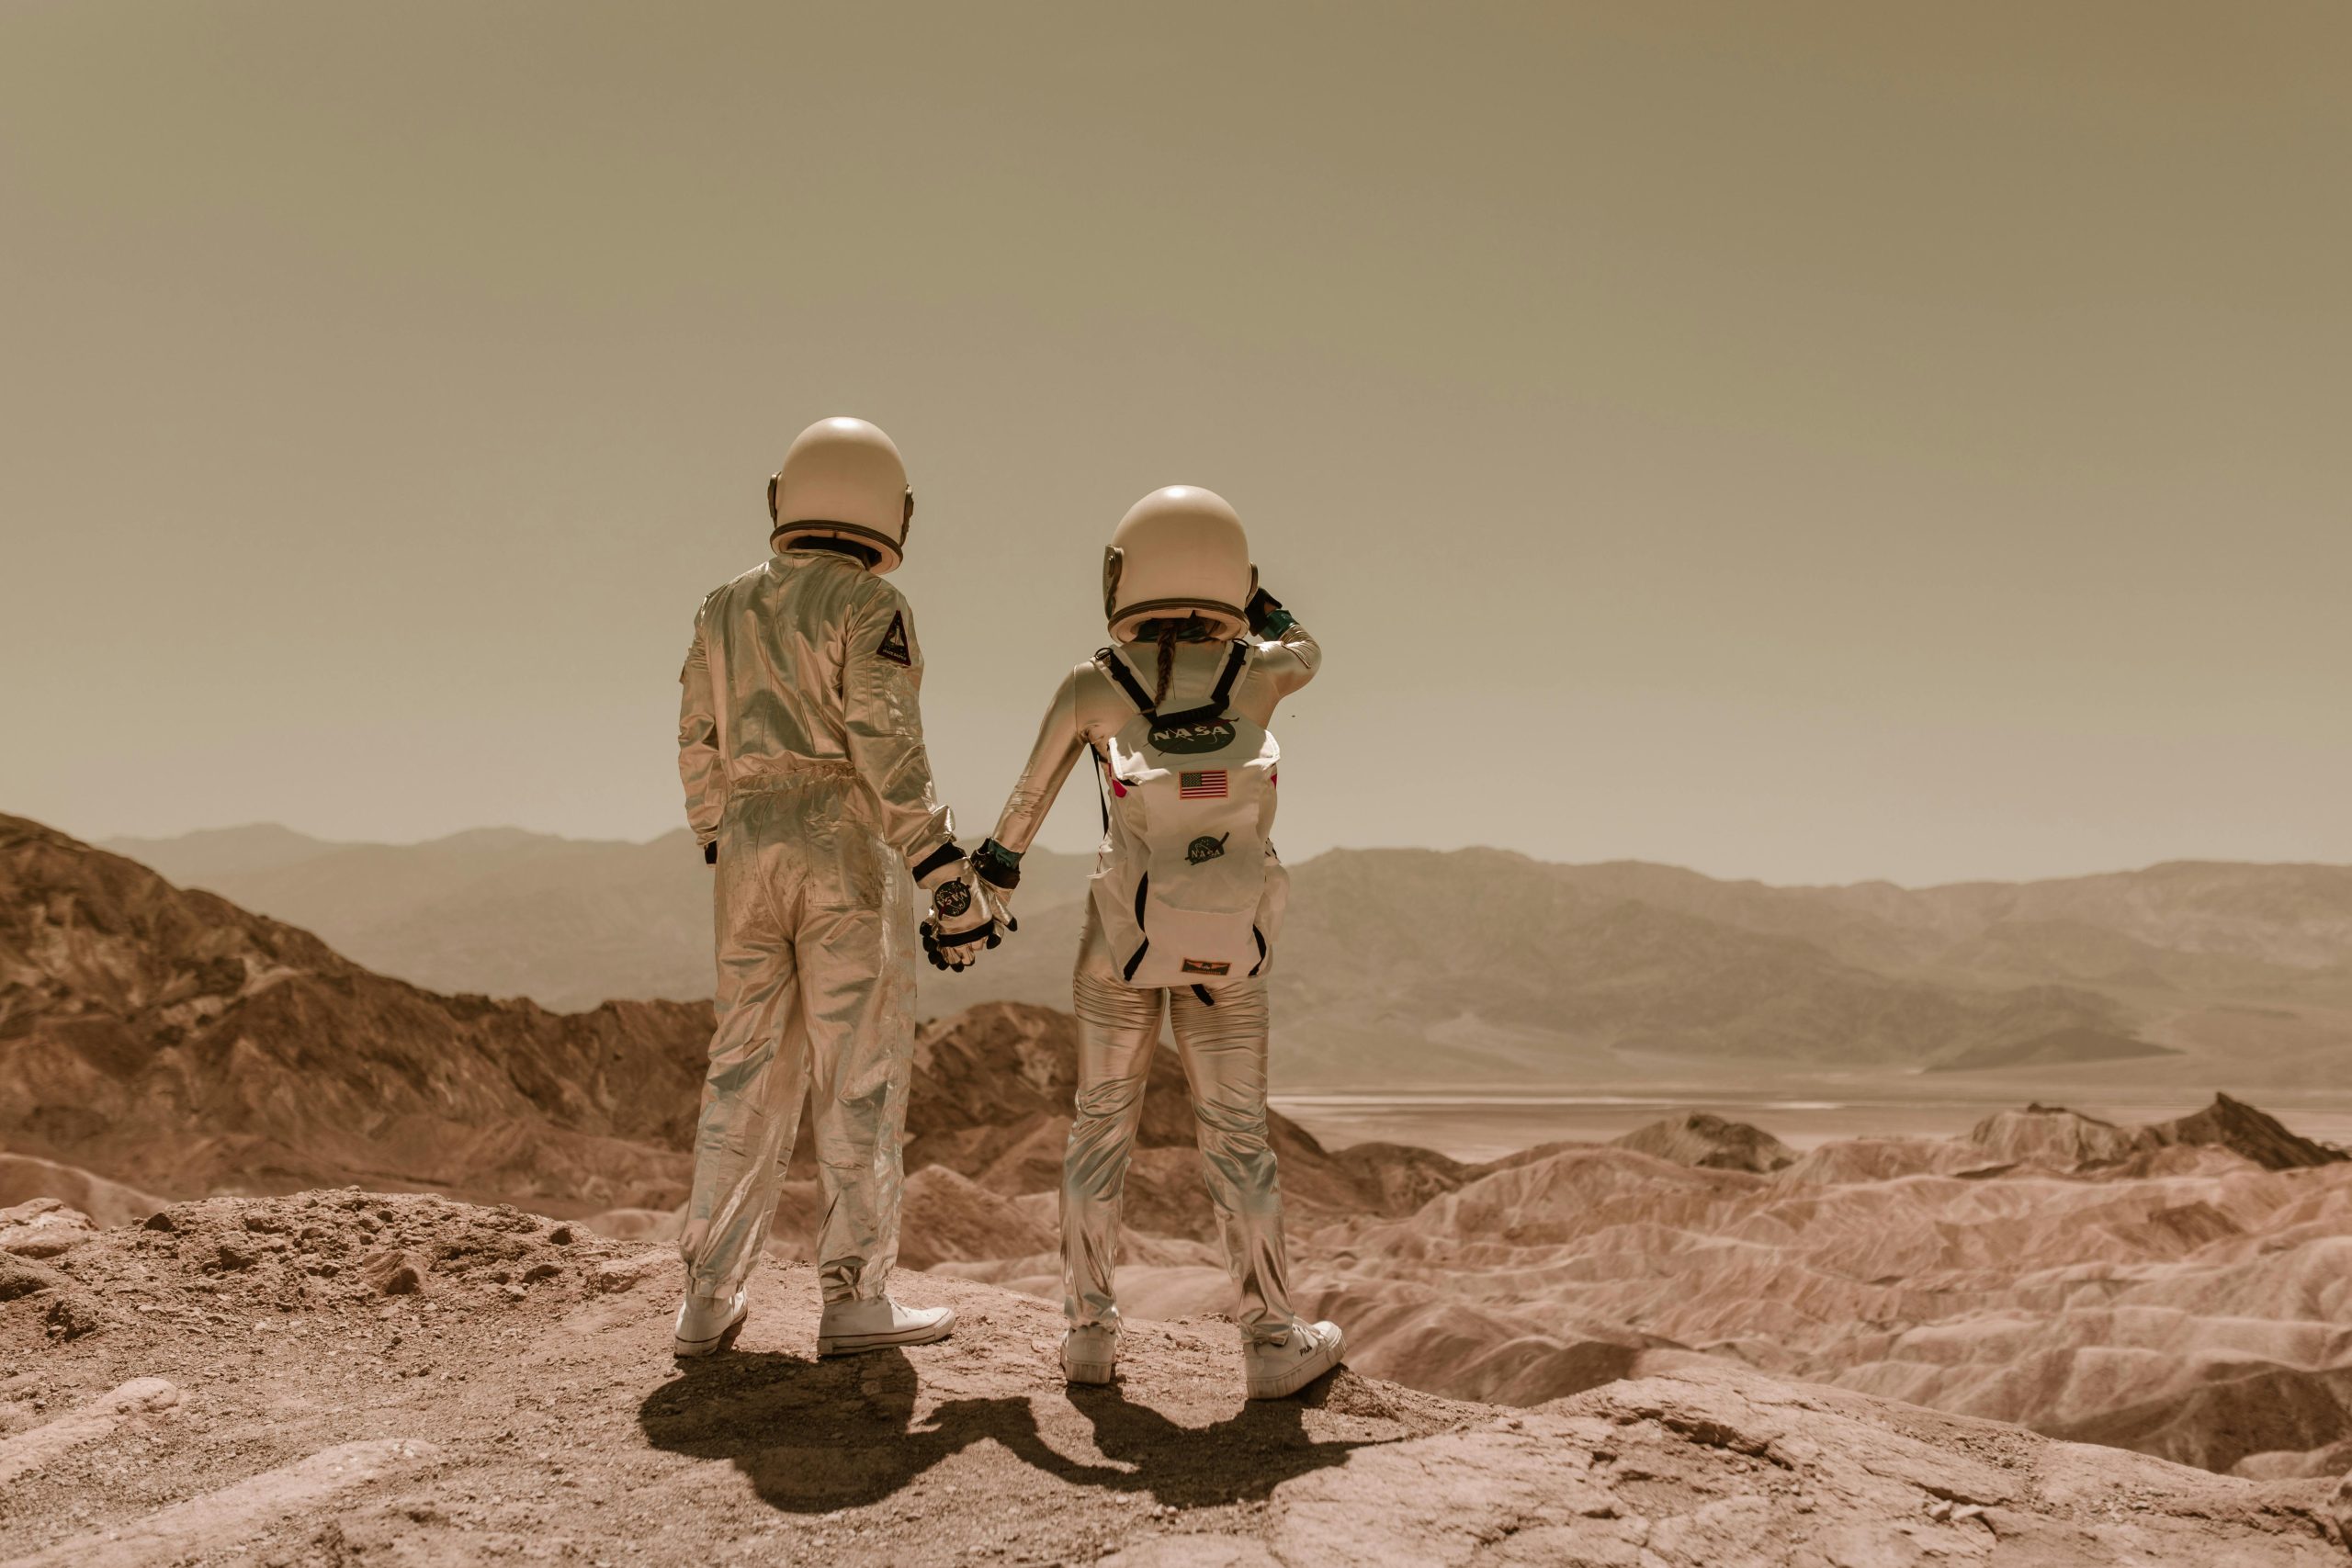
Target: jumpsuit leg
759, 1058
1223, 1051
857, 968
1118, 1030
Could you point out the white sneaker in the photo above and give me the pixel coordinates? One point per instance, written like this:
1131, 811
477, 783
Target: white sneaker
1090, 1354
1276, 1371
706, 1323
849, 1327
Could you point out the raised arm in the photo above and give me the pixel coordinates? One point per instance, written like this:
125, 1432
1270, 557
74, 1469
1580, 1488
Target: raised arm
1287, 651
700, 767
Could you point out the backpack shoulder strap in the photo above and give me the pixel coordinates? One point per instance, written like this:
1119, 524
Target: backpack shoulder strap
1232, 672
1212, 710
1116, 668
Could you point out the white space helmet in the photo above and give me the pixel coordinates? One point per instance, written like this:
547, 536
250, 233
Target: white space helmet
1179, 551
843, 479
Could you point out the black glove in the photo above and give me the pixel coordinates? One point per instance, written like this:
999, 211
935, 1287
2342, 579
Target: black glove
996, 871
710, 852
1267, 616
958, 951
960, 928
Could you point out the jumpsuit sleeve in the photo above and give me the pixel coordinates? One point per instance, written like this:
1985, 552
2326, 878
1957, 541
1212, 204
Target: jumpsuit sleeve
1291, 661
1059, 741
700, 767
882, 714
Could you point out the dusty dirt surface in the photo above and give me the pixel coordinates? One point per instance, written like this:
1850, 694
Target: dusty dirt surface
341, 1377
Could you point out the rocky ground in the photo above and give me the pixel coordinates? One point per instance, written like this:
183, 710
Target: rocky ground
339, 1377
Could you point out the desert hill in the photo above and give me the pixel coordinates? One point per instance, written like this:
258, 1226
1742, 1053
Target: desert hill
2278, 916
2174, 1289
1518, 970
342, 1377
171, 1040
2166, 1287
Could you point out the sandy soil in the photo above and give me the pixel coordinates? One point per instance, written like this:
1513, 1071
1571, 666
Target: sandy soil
340, 1378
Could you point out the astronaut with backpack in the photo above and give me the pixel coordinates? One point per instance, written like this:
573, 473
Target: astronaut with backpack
1185, 908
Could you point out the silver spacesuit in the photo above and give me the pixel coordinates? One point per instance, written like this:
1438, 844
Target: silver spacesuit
1221, 1035
800, 747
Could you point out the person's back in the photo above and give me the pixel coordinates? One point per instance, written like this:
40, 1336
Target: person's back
811, 658
782, 632
1171, 713
800, 748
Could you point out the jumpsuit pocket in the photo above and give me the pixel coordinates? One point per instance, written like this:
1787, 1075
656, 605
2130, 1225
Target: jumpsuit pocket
846, 864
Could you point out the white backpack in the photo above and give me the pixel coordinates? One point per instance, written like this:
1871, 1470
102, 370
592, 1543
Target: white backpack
1188, 890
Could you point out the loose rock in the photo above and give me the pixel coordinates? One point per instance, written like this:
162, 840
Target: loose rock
72, 1315
395, 1271
622, 1273
43, 1227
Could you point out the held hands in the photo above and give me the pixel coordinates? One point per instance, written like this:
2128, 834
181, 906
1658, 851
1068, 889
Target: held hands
972, 908
963, 922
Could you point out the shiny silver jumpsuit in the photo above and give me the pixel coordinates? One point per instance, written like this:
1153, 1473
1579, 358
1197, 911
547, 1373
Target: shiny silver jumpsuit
1223, 1046
801, 745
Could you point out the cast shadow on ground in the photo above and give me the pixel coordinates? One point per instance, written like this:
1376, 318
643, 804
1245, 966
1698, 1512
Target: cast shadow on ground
816, 1436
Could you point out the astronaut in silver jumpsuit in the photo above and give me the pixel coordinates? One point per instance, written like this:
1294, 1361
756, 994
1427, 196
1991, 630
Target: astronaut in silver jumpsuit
1223, 1043
800, 748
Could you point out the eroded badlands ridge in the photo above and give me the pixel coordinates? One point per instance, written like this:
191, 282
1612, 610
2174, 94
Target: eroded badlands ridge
2188, 1300
168, 1039
341, 1378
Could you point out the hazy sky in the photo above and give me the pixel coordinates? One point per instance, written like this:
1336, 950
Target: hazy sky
1809, 442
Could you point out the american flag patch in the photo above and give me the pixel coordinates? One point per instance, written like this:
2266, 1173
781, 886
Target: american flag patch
1209, 785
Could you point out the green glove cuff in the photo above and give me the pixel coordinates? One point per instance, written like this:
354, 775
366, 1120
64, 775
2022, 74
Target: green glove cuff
1267, 616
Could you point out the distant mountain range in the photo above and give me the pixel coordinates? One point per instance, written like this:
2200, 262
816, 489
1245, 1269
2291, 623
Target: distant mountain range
1409, 967
162, 1040
498, 911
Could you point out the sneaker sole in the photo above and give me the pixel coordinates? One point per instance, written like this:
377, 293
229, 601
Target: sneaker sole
1089, 1372
1298, 1377
857, 1344
684, 1349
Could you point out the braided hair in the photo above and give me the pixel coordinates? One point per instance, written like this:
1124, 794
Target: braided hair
1167, 632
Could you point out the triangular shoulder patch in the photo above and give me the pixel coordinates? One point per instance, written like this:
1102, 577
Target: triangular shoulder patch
894, 642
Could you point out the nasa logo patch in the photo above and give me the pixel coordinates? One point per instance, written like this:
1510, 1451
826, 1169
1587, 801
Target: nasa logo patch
894, 642
1190, 740
1204, 849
